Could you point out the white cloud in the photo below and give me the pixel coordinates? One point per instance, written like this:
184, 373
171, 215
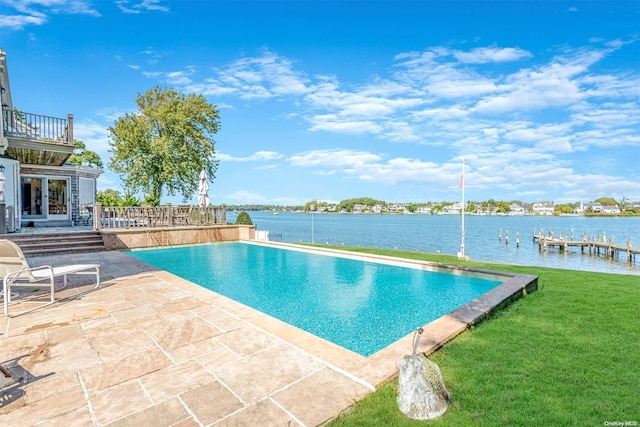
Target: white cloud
262, 77
331, 123
23, 13
17, 22
127, 6
333, 158
94, 135
258, 156
483, 55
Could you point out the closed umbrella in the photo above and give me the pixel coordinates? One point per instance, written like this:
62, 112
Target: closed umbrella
203, 188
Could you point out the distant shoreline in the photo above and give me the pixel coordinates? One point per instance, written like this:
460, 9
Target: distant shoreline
597, 215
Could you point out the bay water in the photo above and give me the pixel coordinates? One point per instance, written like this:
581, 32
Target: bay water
442, 234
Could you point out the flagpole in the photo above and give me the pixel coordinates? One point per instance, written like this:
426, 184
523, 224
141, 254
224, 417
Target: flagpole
462, 232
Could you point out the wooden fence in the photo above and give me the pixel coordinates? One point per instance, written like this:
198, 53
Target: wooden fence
156, 216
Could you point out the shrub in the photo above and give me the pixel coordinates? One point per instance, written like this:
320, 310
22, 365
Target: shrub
243, 218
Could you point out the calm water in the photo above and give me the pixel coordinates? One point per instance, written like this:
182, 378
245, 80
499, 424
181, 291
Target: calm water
351, 303
433, 233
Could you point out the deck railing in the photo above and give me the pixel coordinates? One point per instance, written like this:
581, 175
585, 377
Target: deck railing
20, 124
157, 216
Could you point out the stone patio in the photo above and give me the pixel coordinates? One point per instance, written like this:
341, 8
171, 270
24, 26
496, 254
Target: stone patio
149, 348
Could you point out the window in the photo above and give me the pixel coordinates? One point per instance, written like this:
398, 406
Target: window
87, 194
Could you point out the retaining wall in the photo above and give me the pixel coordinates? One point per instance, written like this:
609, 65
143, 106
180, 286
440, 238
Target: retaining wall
135, 238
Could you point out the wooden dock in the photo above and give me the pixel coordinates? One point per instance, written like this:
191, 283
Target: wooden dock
598, 245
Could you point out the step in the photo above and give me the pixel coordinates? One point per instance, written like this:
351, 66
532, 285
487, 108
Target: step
60, 244
58, 251
33, 244
56, 235
47, 238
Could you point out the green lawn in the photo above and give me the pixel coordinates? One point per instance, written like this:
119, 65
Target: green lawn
566, 355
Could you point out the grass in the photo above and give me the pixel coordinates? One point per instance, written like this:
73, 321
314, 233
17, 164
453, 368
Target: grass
565, 355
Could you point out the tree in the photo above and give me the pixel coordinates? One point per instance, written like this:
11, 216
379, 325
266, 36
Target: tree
243, 218
83, 157
166, 143
607, 201
109, 197
562, 209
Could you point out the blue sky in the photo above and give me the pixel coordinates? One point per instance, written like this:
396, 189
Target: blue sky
330, 100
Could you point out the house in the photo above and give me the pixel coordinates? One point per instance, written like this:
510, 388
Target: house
517, 209
543, 208
594, 207
398, 208
39, 188
424, 209
611, 210
453, 209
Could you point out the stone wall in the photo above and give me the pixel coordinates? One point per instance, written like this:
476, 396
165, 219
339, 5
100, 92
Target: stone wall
136, 238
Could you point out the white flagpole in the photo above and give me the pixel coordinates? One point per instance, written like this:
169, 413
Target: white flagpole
462, 231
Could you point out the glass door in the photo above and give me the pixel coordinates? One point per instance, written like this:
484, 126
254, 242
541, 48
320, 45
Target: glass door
57, 198
32, 198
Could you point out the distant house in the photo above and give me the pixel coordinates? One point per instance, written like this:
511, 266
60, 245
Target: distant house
517, 209
595, 207
543, 208
610, 210
398, 207
378, 208
425, 209
453, 209
39, 187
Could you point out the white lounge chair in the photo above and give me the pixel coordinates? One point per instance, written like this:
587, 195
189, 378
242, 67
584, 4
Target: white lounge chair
16, 271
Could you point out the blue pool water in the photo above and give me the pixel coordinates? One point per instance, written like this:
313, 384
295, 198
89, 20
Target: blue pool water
361, 306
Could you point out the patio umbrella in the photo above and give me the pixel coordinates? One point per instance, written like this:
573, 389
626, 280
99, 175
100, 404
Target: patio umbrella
203, 188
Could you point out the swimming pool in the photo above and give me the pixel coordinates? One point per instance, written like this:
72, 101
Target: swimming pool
360, 305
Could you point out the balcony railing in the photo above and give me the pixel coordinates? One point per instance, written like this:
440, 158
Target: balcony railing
36, 127
160, 216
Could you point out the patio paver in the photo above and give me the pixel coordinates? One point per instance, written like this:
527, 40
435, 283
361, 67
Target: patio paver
149, 348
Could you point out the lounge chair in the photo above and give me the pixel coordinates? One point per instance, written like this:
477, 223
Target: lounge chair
16, 271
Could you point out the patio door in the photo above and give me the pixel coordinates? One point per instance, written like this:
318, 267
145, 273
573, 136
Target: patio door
33, 206
45, 198
57, 198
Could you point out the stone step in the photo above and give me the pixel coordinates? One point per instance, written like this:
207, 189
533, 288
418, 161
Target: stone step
51, 237
59, 251
33, 244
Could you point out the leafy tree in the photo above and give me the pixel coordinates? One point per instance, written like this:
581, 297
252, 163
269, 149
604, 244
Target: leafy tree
348, 204
83, 157
166, 143
607, 201
109, 197
130, 200
502, 206
562, 209
471, 207
243, 218
151, 200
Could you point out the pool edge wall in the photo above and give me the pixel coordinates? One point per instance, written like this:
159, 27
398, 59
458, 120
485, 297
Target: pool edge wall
136, 238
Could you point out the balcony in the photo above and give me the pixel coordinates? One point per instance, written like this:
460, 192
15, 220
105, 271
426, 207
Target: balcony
35, 139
